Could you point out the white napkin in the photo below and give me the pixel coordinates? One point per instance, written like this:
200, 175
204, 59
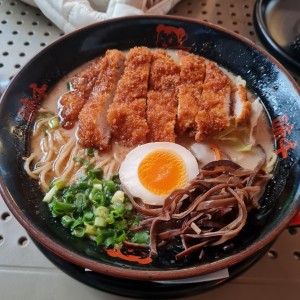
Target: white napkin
69, 15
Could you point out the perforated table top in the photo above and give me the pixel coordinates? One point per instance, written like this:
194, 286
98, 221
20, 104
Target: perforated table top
25, 273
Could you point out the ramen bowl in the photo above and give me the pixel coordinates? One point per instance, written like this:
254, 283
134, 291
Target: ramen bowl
265, 78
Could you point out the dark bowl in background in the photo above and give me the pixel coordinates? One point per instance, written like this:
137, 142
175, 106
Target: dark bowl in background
265, 77
277, 24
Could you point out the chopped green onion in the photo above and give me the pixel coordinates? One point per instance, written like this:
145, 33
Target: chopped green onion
67, 221
96, 173
141, 237
48, 197
77, 223
110, 219
90, 229
88, 216
121, 236
60, 183
89, 152
110, 185
121, 225
128, 205
245, 148
118, 197
59, 208
84, 162
100, 222
80, 202
54, 123
79, 232
101, 211
97, 186
118, 210
93, 207
109, 242
69, 198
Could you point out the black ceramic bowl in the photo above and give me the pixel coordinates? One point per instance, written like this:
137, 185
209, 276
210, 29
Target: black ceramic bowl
264, 76
277, 25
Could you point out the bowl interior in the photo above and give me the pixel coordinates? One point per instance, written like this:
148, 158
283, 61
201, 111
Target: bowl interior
264, 77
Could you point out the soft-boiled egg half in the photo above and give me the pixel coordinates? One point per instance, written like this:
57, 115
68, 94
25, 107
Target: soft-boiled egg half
152, 171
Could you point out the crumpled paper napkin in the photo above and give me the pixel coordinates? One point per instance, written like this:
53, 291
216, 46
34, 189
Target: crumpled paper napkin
69, 15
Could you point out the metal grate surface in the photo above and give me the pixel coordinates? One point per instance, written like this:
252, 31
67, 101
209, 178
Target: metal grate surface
23, 32
24, 271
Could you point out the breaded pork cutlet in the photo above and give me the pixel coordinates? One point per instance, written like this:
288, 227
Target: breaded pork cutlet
240, 104
93, 129
214, 112
127, 113
162, 97
192, 74
72, 102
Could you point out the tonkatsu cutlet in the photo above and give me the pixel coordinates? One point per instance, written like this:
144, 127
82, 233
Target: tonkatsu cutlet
214, 113
72, 102
241, 105
162, 97
93, 129
192, 74
127, 113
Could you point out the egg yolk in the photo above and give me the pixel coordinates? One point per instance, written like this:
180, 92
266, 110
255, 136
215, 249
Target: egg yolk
162, 171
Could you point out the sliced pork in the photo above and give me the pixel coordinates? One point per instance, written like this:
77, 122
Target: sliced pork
162, 97
192, 75
241, 105
93, 128
127, 114
214, 111
81, 84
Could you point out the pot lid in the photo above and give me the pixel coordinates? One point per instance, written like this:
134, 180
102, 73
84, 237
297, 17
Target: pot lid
277, 23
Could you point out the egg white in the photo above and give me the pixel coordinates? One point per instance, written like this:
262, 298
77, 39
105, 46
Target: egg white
128, 172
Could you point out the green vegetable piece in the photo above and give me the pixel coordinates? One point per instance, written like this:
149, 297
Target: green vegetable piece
118, 210
54, 123
77, 222
90, 229
118, 197
101, 236
120, 237
96, 181
141, 237
60, 208
100, 222
60, 183
67, 221
110, 241
128, 205
97, 186
79, 232
69, 198
97, 196
80, 202
84, 162
101, 211
49, 195
110, 219
96, 173
245, 148
89, 152
110, 186
121, 225
88, 216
